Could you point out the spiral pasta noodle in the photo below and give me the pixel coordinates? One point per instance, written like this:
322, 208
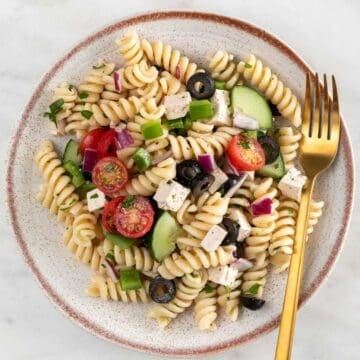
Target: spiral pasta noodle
186, 212
84, 227
243, 196
106, 289
206, 310
200, 129
315, 214
229, 298
130, 48
273, 89
165, 56
187, 290
288, 139
186, 261
224, 68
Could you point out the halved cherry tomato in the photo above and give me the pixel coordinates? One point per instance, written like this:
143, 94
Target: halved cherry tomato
110, 175
92, 139
134, 217
245, 153
108, 215
107, 144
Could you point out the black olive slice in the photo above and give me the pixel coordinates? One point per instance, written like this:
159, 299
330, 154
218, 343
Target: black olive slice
239, 252
201, 86
162, 290
201, 183
251, 303
270, 147
186, 171
232, 229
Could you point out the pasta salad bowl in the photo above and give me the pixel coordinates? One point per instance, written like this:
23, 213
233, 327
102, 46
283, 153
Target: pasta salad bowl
64, 279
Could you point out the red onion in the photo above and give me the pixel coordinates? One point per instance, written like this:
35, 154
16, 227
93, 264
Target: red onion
90, 159
117, 82
229, 168
110, 270
162, 157
261, 207
178, 71
123, 138
206, 162
241, 264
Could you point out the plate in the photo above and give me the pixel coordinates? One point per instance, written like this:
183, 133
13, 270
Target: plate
39, 235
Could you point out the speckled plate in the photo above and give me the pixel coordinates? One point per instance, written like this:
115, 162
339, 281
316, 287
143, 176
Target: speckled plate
39, 235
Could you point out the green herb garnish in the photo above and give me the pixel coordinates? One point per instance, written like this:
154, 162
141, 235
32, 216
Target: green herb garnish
245, 144
128, 201
86, 114
70, 87
248, 66
94, 196
83, 95
208, 288
291, 211
97, 67
253, 290
55, 108
110, 256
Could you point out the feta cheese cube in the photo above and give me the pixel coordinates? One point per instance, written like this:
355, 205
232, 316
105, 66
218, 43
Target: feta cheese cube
244, 227
213, 238
220, 178
95, 199
170, 195
223, 275
177, 106
243, 121
221, 102
218, 274
292, 183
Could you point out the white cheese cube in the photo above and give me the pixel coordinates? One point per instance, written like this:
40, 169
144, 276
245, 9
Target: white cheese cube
170, 195
213, 238
95, 199
218, 274
244, 227
243, 121
292, 183
221, 102
220, 178
177, 106
231, 275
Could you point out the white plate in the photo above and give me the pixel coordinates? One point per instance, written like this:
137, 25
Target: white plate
39, 235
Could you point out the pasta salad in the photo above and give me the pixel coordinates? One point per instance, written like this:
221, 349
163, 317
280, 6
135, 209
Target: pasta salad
179, 187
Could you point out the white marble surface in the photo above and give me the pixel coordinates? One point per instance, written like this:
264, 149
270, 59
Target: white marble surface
34, 34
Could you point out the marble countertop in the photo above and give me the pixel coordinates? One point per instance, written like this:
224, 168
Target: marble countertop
35, 33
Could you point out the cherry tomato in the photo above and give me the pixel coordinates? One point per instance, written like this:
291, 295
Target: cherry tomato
245, 153
92, 139
134, 217
108, 215
110, 175
107, 144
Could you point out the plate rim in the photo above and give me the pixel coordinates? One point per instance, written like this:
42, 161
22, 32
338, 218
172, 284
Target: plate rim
81, 319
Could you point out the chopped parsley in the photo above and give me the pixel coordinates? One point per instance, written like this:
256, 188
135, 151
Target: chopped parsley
83, 95
248, 66
110, 256
109, 167
222, 191
94, 196
169, 182
291, 211
68, 206
86, 114
70, 87
253, 290
208, 288
245, 144
55, 108
128, 201
97, 67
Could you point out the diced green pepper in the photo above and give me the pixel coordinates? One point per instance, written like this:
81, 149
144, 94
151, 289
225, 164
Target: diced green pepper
84, 189
130, 280
121, 241
142, 159
152, 129
221, 85
175, 124
200, 109
77, 177
251, 133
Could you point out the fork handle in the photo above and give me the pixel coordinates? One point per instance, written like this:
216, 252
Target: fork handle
287, 325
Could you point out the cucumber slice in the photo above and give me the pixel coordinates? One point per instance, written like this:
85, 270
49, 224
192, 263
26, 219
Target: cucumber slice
275, 170
163, 236
250, 102
72, 153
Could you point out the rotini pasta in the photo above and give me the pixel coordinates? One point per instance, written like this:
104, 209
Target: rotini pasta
130, 48
206, 310
288, 139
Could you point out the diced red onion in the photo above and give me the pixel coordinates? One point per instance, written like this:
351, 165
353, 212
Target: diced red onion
231, 192
230, 168
110, 270
241, 264
261, 207
123, 138
90, 159
206, 162
178, 71
117, 82
162, 157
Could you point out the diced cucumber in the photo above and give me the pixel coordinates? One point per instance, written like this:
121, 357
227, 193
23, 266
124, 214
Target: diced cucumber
77, 177
163, 236
121, 241
275, 170
250, 102
72, 153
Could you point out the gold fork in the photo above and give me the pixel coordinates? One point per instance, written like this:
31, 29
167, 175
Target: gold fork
318, 148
